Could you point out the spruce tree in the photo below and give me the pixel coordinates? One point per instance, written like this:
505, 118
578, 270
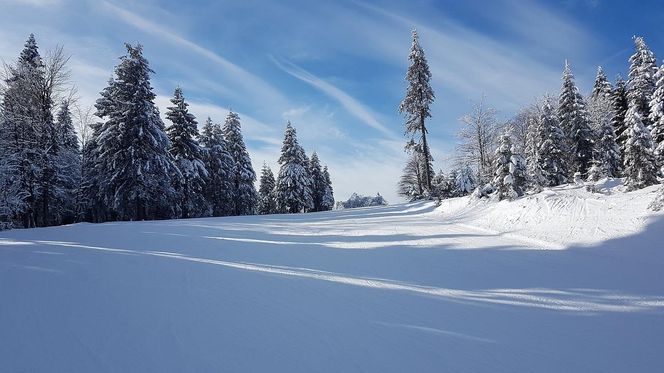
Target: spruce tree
657, 119
606, 154
244, 191
509, 178
574, 120
68, 163
220, 186
134, 162
318, 182
641, 80
602, 87
464, 180
188, 157
267, 203
552, 148
640, 167
416, 108
292, 191
620, 106
327, 202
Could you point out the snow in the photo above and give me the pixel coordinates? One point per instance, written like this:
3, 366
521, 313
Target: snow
464, 287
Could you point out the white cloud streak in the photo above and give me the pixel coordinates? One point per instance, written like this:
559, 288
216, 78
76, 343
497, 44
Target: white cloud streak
349, 103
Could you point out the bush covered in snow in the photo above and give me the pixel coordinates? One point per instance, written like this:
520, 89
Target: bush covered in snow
357, 200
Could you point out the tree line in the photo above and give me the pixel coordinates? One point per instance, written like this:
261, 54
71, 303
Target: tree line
615, 131
128, 165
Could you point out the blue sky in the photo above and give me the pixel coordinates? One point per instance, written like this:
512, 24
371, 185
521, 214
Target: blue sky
335, 68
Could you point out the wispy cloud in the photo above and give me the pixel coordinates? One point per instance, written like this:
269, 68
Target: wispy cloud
240, 76
349, 103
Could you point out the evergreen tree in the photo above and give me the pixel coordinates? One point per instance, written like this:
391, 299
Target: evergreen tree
573, 116
657, 118
220, 165
606, 154
510, 175
410, 183
552, 148
415, 106
464, 181
244, 191
309, 196
602, 87
68, 167
135, 166
267, 203
318, 182
641, 80
292, 191
640, 167
188, 157
327, 202
620, 105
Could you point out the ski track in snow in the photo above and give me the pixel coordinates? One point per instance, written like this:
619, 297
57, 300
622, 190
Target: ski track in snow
391, 289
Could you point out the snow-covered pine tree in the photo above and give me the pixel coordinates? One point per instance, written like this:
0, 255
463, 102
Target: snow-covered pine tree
244, 191
220, 165
509, 171
309, 196
135, 166
602, 86
188, 157
534, 176
327, 202
641, 79
415, 107
318, 182
620, 105
606, 154
552, 147
410, 184
68, 166
19, 147
657, 119
292, 191
640, 169
464, 180
267, 203
573, 116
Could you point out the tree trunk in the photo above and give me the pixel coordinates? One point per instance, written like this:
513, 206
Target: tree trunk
425, 152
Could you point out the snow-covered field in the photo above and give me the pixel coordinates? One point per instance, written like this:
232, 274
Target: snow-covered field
466, 287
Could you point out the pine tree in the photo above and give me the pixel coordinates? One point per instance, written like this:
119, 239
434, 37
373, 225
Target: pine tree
410, 183
602, 87
292, 191
641, 79
188, 157
135, 166
267, 203
68, 167
318, 182
640, 167
244, 191
220, 185
606, 154
509, 176
552, 148
620, 105
464, 181
327, 202
657, 118
415, 106
309, 195
573, 116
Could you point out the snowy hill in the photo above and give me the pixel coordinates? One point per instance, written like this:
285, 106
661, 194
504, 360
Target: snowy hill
464, 287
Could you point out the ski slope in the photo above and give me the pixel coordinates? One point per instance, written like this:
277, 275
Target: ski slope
470, 286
